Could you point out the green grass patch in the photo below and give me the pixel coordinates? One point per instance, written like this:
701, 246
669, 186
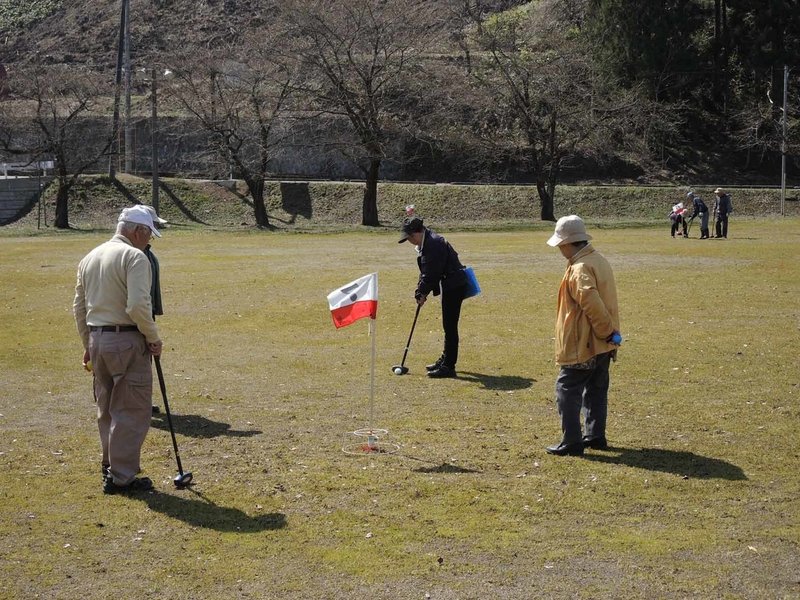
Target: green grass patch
698, 496
319, 206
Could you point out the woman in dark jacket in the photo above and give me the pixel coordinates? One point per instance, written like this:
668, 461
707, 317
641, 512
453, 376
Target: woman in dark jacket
440, 271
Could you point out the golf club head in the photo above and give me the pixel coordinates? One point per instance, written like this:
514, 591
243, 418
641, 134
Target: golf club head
182, 479
399, 370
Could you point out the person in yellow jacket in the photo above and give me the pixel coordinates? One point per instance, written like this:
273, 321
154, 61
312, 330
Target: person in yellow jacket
587, 337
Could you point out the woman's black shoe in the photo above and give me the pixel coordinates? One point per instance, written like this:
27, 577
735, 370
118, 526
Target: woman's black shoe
441, 372
566, 449
436, 365
598, 443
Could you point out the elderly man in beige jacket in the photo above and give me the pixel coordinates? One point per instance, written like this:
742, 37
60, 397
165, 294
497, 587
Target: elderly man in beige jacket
587, 335
114, 316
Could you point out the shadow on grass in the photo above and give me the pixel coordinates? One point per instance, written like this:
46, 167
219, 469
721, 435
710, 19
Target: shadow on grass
497, 382
120, 187
202, 512
199, 427
296, 200
130, 197
687, 464
446, 468
179, 204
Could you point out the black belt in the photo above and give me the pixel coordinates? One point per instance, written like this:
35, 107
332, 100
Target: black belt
115, 328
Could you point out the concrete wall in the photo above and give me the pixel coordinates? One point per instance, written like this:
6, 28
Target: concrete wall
18, 195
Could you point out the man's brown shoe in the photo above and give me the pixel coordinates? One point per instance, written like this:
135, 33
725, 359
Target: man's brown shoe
139, 484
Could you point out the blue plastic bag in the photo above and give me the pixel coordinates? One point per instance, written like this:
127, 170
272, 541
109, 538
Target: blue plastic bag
473, 288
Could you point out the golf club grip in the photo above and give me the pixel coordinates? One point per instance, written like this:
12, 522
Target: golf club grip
163, 387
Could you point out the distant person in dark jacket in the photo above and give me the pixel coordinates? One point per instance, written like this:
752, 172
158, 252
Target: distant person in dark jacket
722, 208
440, 272
155, 268
700, 210
155, 288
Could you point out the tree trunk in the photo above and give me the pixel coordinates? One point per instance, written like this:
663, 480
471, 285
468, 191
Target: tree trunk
726, 52
259, 207
717, 51
62, 205
369, 211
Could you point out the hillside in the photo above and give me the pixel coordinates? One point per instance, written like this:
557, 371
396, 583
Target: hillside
86, 31
324, 206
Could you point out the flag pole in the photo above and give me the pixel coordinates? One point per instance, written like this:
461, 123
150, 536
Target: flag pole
372, 329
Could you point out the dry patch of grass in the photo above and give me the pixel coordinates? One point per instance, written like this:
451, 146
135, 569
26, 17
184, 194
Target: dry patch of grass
698, 496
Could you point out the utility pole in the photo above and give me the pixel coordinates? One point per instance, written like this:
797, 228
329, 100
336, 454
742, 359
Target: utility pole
154, 137
114, 156
128, 129
783, 138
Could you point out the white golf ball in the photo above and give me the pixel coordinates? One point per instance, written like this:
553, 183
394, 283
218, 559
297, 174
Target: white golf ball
398, 370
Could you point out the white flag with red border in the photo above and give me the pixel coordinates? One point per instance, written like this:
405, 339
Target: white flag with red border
356, 300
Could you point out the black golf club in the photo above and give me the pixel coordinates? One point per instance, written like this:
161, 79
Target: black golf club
182, 479
401, 369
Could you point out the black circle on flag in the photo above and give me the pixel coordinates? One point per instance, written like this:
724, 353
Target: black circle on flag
353, 297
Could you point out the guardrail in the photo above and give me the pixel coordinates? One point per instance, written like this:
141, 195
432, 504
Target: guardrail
27, 167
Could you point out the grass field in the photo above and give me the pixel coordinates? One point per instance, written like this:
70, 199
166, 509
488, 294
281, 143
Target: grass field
698, 497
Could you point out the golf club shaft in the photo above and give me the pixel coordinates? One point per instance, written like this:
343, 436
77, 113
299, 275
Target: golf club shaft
166, 409
411, 333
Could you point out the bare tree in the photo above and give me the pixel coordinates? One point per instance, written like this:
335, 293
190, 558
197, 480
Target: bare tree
49, 115
760, 134
360, 54
241, 98
545, 102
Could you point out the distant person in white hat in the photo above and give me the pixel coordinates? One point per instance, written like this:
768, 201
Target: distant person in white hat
114, 316
722, 208
587, 337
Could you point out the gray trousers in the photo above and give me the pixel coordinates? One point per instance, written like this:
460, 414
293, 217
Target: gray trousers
123, 386
586, 390
704, 221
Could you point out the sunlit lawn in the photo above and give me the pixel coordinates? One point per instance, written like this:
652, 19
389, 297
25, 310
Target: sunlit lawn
697, 498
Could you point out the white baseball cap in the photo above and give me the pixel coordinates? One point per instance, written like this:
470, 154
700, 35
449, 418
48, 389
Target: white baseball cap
140, 215
156, 219
569, 229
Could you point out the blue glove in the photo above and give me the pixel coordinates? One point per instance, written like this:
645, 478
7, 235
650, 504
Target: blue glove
615, 338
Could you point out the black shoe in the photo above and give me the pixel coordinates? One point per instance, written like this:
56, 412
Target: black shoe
436, 365
156, 410
563, 449
441, 372
106, 474
598, 443
139, 484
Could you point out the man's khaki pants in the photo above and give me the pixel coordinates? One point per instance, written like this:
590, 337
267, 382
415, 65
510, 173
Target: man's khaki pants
123, 387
